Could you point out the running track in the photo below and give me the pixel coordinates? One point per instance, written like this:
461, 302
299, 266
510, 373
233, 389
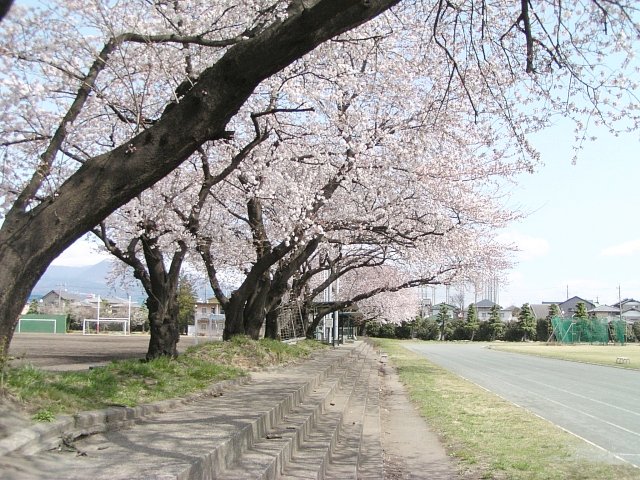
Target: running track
599, 404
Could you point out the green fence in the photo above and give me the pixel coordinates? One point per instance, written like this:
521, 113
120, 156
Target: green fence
34, 323
588, 330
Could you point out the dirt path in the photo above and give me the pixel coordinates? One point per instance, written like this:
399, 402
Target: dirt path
411, 450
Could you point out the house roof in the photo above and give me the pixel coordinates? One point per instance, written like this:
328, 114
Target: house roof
64, 295
624, 301
485, 304
437, 306
208, 301
569, 304
604, 309
631, 313
577, 299
89, 298
540, 310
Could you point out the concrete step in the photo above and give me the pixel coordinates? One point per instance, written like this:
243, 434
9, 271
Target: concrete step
199, 439
332, 450
268, 456
344, 457
370, 454
358, 454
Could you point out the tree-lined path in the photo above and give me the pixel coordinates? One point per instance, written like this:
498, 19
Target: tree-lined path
596, 403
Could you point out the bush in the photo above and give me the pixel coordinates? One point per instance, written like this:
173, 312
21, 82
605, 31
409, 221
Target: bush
426, 329
382, 330
403, 331
513, 332
387, 330
484, 333
458, 331
543, 329
372, 329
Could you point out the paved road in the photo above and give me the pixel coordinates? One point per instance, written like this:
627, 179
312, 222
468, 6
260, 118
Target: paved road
599, 404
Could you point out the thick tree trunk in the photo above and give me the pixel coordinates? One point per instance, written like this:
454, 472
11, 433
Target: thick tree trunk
161, 286
16, 282
234, 315
253, 327
311, 329
245, 314
271, 327
5, 6
256, 309
163, 326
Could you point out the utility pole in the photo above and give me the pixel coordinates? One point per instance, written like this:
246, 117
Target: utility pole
335, 314
619, 302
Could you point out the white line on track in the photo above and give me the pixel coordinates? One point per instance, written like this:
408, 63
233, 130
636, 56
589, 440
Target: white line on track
600, 447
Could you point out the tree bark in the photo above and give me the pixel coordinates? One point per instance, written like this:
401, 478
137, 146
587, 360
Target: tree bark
163, 325
31, 238
233, 318
162, 291
271, 327
5, 6
256, 308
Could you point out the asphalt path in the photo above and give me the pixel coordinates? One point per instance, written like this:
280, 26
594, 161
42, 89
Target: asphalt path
598, 404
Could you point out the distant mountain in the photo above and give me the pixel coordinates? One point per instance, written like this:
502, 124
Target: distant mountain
88, 279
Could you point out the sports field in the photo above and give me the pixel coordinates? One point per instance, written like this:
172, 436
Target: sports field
599, 354
78, 352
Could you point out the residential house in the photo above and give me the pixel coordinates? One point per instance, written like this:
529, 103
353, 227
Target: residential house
209, 318
631, 315
425, 307
540, 310
58, 300
605, 311
208, 307
452, 310
569, 307
483, 307
627, 304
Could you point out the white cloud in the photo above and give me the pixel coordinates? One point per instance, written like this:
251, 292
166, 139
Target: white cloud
80, 254
622, 249
528, 247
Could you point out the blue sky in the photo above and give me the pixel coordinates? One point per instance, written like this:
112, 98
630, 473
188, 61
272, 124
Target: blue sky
581, 234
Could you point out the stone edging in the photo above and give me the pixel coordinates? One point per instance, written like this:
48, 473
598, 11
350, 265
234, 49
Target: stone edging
44, 436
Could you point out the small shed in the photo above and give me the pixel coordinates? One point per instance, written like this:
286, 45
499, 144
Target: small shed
42, 323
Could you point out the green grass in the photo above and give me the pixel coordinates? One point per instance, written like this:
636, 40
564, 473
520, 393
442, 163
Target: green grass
45, 394
492, 438
598, 354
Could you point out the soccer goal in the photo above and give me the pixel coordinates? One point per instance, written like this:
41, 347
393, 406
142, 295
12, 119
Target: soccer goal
105, 326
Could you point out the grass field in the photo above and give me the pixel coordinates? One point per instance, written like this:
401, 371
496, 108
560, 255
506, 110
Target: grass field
598, 354
492, 438
44, 394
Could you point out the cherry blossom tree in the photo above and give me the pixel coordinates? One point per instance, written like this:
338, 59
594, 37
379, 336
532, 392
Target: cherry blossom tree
359, 173
390, 307
96, 107
101, 99
145, 238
